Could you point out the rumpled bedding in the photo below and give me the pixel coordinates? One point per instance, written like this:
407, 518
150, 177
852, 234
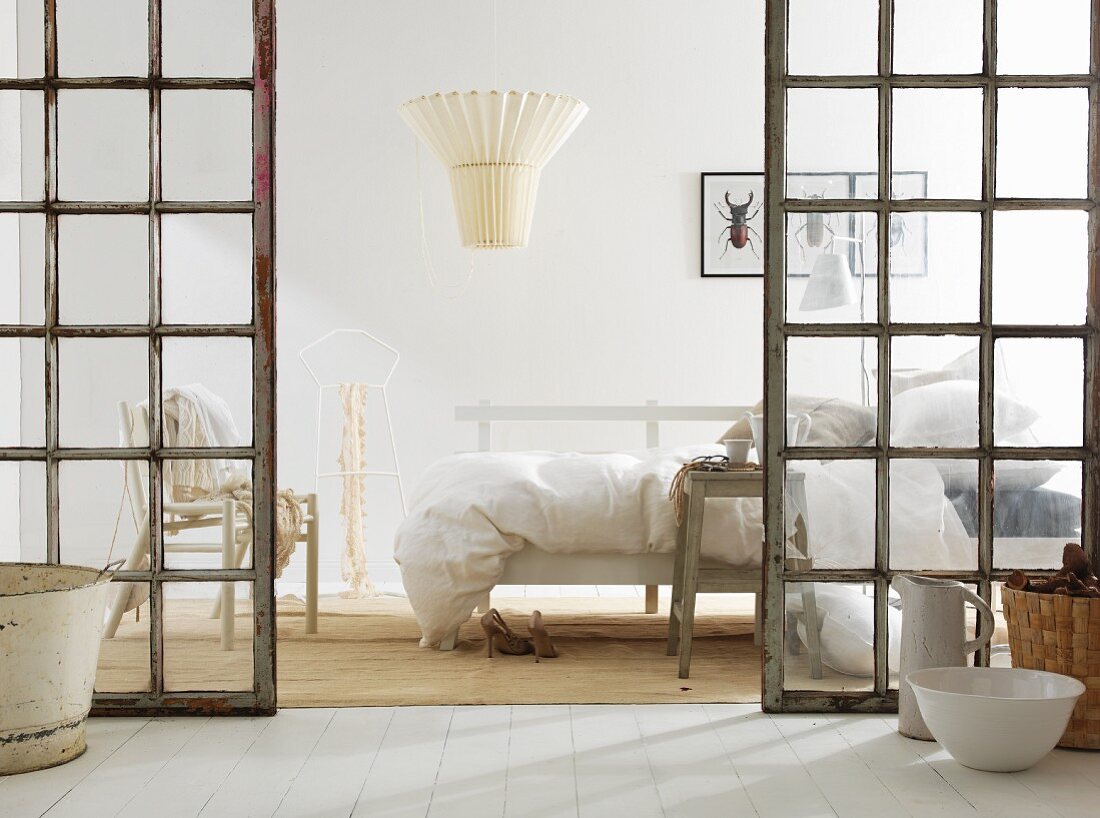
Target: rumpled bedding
470, 512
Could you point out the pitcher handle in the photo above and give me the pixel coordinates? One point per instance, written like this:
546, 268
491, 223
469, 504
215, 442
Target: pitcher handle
985, 623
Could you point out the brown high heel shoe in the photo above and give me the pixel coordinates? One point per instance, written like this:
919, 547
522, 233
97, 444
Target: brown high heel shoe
544, 648
499, 635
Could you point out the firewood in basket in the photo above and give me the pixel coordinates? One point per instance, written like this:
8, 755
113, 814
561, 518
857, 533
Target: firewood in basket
1075, 561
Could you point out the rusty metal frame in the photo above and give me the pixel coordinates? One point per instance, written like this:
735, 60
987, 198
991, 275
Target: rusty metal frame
262, 698
777, 331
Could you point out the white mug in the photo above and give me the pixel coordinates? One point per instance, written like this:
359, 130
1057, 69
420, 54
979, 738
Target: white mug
798, 427
737, 450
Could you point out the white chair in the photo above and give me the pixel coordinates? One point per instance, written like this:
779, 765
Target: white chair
235, 530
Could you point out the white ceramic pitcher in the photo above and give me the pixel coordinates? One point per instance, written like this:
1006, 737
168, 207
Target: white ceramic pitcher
933, 634
798, 427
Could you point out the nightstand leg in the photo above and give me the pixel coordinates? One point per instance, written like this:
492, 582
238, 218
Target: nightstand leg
676, 605
692, 545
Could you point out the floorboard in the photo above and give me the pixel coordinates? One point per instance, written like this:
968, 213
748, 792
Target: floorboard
331, 780
107, 789
31, 794
258, 782
187, 781
612, 768
473, 771
541, 777
401, 781
693, 774
541, 761
766, 765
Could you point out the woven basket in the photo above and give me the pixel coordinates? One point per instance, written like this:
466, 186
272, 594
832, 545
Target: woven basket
1061, 634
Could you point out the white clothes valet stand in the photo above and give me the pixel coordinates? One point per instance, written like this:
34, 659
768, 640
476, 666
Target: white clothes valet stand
324, 360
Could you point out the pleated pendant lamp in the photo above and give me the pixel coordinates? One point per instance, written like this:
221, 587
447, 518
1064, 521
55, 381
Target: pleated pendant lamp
495, 145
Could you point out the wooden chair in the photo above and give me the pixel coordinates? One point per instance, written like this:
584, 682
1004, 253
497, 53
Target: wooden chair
233, 544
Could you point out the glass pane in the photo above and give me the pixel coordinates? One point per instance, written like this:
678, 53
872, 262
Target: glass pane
208, 636
22, 146
22, 50
949, 159
22, 511
935, 266
836, 371
1042, 142
217, 372
194, 497
832, 37
843, 616
124, 665
935, 391
832, 261
103, 145
830, 129
103, 269
1044, 281
23, 398
933, 507
22, 268
1050, 39
207, 38
95, 375
1040, 396
103, 38
952, 45
207, 145
1036, 511
206, 268
101, 515
831, 519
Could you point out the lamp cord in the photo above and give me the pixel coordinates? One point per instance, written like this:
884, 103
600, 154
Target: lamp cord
451, 291
496, 49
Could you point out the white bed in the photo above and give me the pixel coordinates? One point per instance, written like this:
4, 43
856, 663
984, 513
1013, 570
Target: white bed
475, 519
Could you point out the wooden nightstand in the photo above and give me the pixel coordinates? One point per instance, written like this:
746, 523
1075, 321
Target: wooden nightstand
692, 576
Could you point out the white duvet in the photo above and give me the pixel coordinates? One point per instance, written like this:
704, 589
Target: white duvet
470, 512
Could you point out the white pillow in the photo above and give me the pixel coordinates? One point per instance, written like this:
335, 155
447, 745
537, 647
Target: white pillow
963, 368
960, 476
946, 414
847, 619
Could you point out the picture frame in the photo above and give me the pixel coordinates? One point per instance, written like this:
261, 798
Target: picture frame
719, 255
909, 234
819, 185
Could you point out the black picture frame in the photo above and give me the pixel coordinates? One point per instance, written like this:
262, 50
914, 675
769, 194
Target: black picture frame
747, 261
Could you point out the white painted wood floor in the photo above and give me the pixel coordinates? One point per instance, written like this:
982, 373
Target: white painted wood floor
544, 761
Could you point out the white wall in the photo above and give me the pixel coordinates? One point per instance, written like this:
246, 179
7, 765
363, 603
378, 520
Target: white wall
604, 306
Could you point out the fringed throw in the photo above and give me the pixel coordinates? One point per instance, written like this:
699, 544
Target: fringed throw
353, 562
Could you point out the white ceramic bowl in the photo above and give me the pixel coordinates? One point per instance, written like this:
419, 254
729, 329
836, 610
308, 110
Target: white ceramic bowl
995, 718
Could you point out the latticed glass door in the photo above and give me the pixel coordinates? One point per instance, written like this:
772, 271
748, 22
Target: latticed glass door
931, 298
137, 338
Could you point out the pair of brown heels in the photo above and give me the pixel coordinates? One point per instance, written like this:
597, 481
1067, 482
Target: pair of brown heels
499, 637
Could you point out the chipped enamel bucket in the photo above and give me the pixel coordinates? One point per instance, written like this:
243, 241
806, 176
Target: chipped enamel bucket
51, 619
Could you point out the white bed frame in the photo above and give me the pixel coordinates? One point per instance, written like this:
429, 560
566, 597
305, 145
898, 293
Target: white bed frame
533, 566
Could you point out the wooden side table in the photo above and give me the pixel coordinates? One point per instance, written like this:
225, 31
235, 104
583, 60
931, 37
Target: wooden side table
691, 576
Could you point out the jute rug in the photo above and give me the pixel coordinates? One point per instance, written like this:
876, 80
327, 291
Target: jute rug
366, 653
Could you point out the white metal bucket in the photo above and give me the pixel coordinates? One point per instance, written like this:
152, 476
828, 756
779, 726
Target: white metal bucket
51, 619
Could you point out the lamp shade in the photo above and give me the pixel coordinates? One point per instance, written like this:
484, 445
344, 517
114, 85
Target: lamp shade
830, 284
495, 145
